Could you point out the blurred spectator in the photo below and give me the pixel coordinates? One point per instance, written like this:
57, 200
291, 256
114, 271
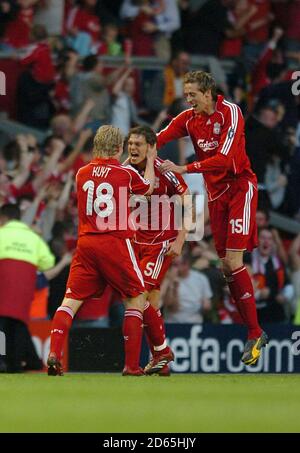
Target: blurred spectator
274, 294
259, 73
17, 30
109, 43
280, 89
83, 28
34, 103
19, 183
294, 256
280, 9
108, 11
238, 15
186, 295
262, 222
205, 27
257, 29
11, 154
22, 252
140, 17
66, 67
207, 262
262, 140
292, 202
8, 10
166, 22
62, 127
262, 218
91, 85
293, 32
275, 181
168, 85
124, 110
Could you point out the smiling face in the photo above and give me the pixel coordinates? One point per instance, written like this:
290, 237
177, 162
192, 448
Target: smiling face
201, 102
137, 149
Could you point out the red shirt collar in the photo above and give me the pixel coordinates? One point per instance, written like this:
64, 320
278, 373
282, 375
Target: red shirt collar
112, 161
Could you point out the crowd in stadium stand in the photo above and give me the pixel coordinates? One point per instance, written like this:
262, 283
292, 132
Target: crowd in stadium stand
64, 89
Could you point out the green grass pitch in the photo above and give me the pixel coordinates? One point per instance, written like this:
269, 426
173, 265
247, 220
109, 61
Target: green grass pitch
181, 403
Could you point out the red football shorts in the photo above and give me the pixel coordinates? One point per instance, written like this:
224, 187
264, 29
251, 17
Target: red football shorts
153, 262
102, 259
233, 218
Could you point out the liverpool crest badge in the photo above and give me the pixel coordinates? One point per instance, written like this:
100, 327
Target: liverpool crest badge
217, 128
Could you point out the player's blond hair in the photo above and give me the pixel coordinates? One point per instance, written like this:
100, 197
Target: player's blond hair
107, 141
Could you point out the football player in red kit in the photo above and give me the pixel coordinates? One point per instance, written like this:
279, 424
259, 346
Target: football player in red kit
104, 251
216, 128
157, 244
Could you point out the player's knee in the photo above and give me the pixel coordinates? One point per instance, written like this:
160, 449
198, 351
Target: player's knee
154, 298
137, 302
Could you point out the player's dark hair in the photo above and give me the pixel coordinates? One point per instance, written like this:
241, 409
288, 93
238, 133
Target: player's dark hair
204, 80
10, 211
146, 132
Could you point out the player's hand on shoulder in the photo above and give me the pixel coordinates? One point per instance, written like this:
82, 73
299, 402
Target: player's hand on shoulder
167, 165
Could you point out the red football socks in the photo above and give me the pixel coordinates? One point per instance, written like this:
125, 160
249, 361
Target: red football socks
132, 333
61, 324
241, 289
154, 329
234, 294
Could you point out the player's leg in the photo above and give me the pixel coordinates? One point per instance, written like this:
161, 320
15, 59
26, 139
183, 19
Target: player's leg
84, 281
132, 334
219, 221
61, 325
241, 236
153, 321
154, 264
242, 291
121, 271
155, 331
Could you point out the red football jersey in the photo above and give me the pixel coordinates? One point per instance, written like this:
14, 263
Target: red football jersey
17, 31
103, 190
219, 143
159, 226
38, 58
83, 20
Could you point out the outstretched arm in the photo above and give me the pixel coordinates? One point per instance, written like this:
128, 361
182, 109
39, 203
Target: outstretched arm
175, 129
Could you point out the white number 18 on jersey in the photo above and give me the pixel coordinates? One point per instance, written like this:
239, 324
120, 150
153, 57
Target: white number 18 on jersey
101, 198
